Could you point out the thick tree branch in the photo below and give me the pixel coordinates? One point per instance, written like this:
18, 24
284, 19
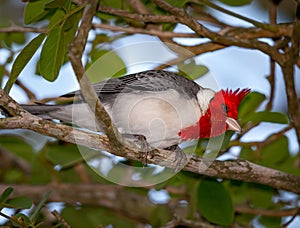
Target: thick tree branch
24, 120
288, 69
236, 169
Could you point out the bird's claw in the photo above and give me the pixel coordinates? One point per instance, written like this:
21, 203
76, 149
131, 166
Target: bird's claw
144, 148
180, 157
140, 143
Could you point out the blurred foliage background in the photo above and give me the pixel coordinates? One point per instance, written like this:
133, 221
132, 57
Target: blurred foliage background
47, 183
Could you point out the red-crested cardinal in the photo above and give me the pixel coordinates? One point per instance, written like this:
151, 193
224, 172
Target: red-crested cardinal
162, 106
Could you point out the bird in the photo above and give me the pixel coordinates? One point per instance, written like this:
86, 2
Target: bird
162, 106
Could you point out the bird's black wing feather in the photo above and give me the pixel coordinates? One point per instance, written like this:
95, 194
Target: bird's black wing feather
146, 81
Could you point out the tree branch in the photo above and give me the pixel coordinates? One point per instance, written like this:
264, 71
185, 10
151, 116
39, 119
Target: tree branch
60, 219
269, 213
153, 32
185, 19
75, 53
17, 28
288, 70
120, 199
114, 197
138, 17
236, 169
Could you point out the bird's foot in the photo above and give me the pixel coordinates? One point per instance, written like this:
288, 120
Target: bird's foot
180, 157
139, 142
145, 149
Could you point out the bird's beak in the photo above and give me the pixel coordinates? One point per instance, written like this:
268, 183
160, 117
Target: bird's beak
233, 125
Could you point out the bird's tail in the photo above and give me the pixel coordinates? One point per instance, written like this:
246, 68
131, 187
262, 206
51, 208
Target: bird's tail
77, 114
42, 110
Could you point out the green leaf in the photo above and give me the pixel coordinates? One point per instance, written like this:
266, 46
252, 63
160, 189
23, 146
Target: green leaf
214, 145
22, 60
10, 38
62, 28
270, 221
289, 165
260, 196
13, 175
65, 156
244, 219
247, 153
70, 28
266, 116
21, 202
160, 216
113, 3
63, 4
250, 103
178, 3
40, 173
56, 20
34, 216
35, 10
105, 64
86, 216
16, 145
236, 2
275, 152
52, 55
22, 220
191, 70
117, 4
5, 194
214, 202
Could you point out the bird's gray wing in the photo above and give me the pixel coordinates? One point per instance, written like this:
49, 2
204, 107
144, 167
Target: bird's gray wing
146, 81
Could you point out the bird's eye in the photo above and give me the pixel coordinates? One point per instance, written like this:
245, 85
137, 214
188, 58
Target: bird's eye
225, 108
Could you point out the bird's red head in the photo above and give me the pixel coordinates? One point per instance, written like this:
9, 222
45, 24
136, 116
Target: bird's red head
220, 116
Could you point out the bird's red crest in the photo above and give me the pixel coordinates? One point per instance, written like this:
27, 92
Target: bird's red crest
235, 96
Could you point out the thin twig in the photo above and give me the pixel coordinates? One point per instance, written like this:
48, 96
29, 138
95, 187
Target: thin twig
296, 213
271, 77
183, 18
228, 12
236, 32
60, 219
268, 213
138, 17
31, 96
194, 51
153, 32
16, 28
260, 144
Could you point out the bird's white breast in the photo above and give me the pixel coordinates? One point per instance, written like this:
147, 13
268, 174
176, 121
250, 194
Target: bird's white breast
157, 116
